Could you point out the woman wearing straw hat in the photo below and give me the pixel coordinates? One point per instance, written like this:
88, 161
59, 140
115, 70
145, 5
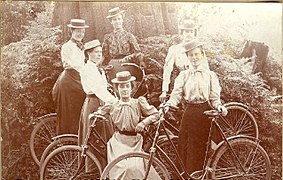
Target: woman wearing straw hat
120, 46
67, 93
94, 84
176, 59
200, 89
126, 115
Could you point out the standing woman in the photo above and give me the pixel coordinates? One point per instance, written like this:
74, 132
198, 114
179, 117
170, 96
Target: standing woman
67, 92
199, 87
119, 44
95, 86
176, 59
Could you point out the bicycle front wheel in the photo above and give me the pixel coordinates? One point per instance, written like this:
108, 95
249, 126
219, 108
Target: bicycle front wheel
41, 136
70, 162
133, 165
251, 157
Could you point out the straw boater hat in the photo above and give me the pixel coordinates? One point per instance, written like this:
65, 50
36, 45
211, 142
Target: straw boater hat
77, 23
114, 12
92, 44
123, 77
192, 45
187, 24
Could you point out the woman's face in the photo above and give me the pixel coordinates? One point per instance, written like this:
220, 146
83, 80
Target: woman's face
78, 34
117, 21
195, 56
96, 55
188, 34
124, 90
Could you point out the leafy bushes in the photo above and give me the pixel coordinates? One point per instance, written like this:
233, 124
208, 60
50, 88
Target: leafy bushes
29, 69
31, 66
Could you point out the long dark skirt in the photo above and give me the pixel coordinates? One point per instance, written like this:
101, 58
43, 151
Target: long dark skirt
193, 136
68, 97
104, 128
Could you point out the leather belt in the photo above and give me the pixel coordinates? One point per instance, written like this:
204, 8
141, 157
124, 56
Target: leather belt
128, 133
197, 103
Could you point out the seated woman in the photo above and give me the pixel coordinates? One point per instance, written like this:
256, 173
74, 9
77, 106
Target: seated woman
120, 46
126, 115
94, 84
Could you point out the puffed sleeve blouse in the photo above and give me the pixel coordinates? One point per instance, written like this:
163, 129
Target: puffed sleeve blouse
126, 116
72, 56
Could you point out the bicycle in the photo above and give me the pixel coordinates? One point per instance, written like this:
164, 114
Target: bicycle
68, 160
44, 132
235, 157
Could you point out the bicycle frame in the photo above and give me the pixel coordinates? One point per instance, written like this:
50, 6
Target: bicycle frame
85, 143
207, 169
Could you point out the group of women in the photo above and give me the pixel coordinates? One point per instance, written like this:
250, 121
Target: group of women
82, 89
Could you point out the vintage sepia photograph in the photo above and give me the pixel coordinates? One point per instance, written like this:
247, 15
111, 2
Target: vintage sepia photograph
141, 90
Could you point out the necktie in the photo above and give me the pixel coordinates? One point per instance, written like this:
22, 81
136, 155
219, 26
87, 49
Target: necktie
78, 43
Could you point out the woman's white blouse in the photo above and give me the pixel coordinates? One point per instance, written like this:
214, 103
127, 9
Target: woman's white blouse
196, 86
175, 57
72, 56
94, 82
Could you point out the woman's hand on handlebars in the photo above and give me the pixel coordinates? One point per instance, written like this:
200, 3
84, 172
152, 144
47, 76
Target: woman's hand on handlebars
162, 96
97, 114
223, 110
165, 107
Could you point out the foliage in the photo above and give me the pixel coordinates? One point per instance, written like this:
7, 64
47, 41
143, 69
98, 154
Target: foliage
28, 71
16, 16
31, 66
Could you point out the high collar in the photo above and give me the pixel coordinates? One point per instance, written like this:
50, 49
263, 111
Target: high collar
122, 103
203, 66
119, 31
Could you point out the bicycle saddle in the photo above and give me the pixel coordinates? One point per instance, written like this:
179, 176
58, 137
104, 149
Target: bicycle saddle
212, 113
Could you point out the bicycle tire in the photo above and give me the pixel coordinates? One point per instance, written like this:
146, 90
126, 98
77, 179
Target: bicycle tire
63, 163
251, 155
41, 135
168, 149
59, 142
157, 164
239, 121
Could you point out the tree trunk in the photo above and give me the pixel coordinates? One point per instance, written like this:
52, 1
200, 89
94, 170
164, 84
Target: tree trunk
141, 19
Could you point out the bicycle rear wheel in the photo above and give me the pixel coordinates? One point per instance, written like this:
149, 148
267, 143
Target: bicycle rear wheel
239, 121
251, 155
136, 162
69, 162
41, 135
67, 139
